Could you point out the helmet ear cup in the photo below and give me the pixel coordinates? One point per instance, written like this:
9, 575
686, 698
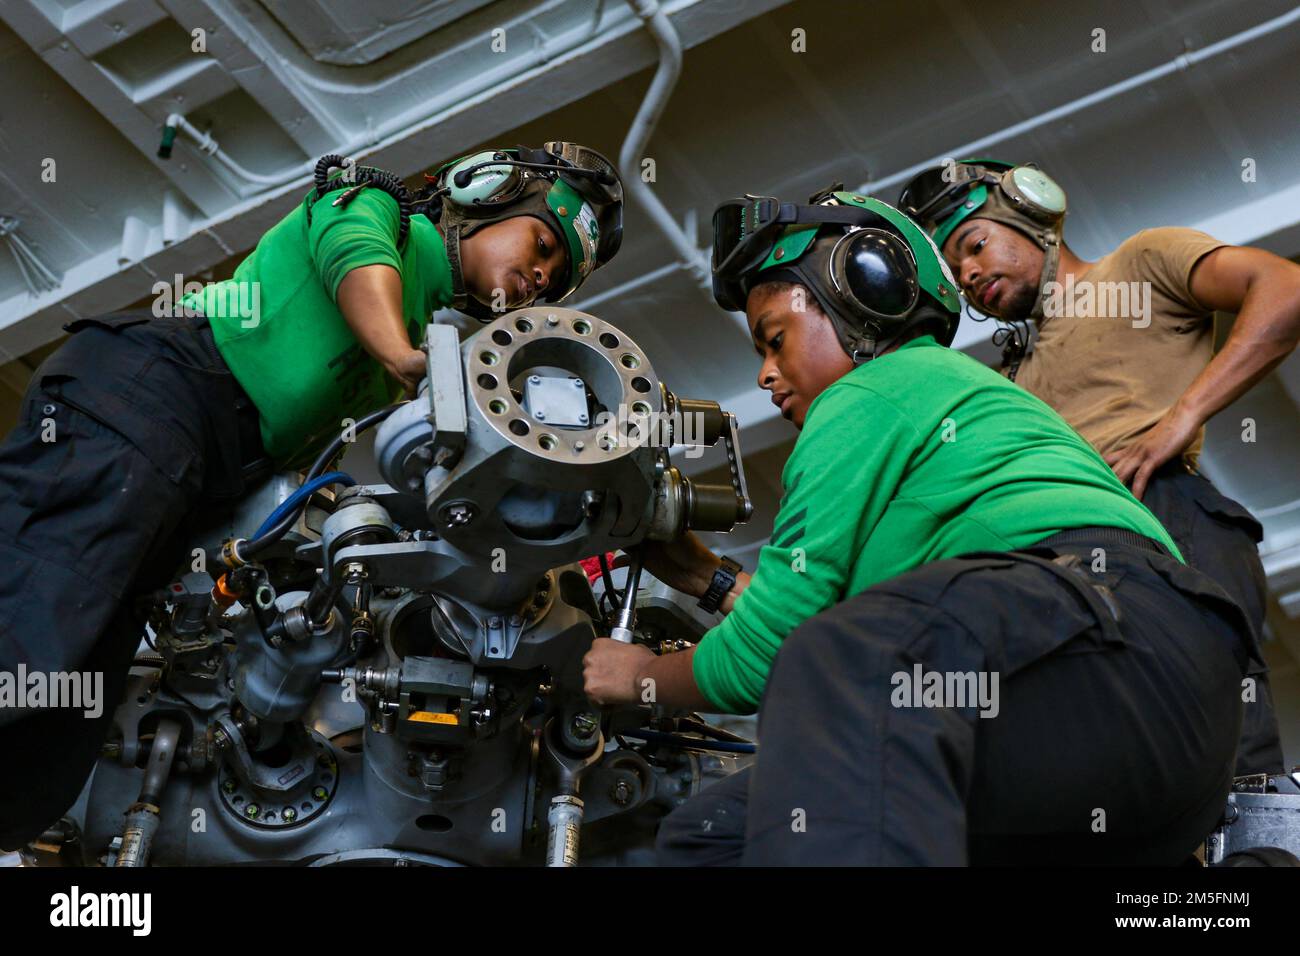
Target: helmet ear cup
874, 273
1034, 193
487, 185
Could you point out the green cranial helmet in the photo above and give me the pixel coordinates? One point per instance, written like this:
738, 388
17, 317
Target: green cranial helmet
571, 188
873, 271
1023, 197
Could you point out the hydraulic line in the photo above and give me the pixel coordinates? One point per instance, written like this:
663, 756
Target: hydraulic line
264, 539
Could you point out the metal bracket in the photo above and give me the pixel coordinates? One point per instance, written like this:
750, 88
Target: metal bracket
731, 438
501, 636
447, 411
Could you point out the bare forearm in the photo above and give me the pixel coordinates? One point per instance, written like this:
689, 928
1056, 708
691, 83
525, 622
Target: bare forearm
1264, 291
673, 682
1257, 345
370, 299
729, 599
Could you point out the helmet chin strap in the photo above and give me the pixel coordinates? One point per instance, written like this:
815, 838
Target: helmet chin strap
1051, 263
453, 223
860, 346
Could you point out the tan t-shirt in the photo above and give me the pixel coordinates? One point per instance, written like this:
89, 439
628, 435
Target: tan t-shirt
1118, 347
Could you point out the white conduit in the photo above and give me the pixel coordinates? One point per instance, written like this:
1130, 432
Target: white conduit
630, 158
538, 56
1182, 62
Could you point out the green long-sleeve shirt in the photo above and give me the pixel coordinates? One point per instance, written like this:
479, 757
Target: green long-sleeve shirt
920, 455
277, 325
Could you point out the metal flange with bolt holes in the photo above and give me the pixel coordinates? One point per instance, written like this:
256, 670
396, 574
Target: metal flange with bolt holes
280, 811
563, 414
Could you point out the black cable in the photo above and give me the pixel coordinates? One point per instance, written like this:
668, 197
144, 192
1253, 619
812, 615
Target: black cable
708, 730
363, 176
633, 579
608, 578
259, 544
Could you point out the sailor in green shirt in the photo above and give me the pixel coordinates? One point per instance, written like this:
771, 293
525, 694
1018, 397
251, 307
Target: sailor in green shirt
145, 421
322, 322
965, 634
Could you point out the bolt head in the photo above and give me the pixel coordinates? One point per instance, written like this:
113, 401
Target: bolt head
584, 725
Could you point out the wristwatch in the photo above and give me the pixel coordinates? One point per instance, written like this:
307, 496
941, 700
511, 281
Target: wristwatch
723, 580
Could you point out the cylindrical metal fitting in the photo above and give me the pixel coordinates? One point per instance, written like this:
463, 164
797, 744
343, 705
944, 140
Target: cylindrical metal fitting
564, 821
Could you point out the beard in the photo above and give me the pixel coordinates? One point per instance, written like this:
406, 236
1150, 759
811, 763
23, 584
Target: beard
1021, 303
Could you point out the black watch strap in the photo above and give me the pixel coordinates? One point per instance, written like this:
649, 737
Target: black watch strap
723, 580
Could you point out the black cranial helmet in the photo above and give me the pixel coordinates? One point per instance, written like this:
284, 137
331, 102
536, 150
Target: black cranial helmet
872, 270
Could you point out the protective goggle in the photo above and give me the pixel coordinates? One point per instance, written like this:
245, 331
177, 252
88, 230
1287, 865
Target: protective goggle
596, 180
934, 195
746, 229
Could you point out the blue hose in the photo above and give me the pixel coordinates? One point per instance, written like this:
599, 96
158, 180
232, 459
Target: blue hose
296, 500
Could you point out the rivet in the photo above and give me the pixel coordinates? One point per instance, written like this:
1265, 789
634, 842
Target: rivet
562, 211
779, 254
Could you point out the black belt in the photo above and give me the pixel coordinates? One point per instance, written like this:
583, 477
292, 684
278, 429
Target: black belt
1101, 534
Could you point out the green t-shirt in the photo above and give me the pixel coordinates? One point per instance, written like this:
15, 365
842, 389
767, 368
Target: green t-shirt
920, 455
286, 342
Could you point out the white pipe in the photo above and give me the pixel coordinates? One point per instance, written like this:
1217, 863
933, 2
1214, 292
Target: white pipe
538, 56
1178, 63
638, 134
645, 278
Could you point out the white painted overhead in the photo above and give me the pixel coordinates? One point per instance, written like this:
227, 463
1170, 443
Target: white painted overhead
1153, 131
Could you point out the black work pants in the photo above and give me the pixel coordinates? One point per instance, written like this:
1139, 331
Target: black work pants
1220, 538
1112, 741
125, 434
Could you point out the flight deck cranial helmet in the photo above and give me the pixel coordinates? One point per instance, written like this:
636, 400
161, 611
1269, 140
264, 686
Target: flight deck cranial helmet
1022, 197
573, 189
872, 270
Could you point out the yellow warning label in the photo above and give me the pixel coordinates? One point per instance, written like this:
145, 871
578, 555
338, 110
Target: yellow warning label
431, 717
